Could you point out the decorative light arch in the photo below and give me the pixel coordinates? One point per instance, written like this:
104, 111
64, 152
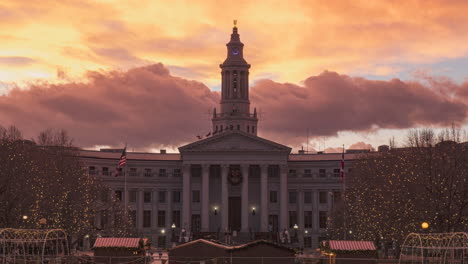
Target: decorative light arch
435, 248
32, 245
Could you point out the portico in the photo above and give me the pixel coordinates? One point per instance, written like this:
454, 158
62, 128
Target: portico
234, 179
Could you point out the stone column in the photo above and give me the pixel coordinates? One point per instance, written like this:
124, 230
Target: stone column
154, 209
169, 210
245, 198
264, 198
139, 211
186, 201
315, 211
224, 197
300, 206
205, 198
283, 197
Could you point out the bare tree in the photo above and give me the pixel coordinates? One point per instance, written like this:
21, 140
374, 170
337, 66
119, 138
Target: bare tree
47, 180
389, 194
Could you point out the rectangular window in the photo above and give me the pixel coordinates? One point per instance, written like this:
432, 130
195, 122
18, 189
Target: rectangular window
162, 241
162, 196
161, 218
323, 197
273, 171
273, 196
196, 171
196, 223
133, 217
177, 173
105, 171
336, 197
104, 196
336, 173
292, 197
307, 219
176, 196
103, 219
292, 218
196, 196
133, 172
322, 173
118, 195
147, 197
307, 197
307, 242
176, 218
322, 219
132, 196
292, 173
307, 173
146, 218
148, 172
92, 170
162, 173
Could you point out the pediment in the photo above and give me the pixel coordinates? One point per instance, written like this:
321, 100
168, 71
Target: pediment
234, 141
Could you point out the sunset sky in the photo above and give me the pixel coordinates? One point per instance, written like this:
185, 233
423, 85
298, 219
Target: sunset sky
147, 72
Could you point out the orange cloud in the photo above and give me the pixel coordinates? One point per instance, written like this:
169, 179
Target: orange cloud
289, 40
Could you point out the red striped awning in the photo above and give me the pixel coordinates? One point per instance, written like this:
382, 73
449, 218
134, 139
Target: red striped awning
120, 242
351, 245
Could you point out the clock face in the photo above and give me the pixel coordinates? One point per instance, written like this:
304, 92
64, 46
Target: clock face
235, 51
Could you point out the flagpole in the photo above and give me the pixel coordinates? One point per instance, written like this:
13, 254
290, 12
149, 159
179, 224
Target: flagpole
125, 181
344, 197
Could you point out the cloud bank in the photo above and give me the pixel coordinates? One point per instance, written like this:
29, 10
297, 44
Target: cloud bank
148, 107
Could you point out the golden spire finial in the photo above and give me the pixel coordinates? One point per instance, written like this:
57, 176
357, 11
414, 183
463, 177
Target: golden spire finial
235, 22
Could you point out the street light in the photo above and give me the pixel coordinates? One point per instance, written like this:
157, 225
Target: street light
163, 231
25, 217
425, 225
173, 226
253, 210
215, 210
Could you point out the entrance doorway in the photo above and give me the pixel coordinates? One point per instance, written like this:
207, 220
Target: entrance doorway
235, 213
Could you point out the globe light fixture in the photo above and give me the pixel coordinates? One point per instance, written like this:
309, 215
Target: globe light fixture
306, 231
253, 210
163, 231
173, 226
425, 225
215, 210
25, 217
296, 226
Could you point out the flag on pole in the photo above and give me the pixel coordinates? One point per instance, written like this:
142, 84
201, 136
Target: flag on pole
342, 165
122, 161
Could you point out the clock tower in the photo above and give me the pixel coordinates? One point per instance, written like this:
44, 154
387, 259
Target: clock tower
235, 105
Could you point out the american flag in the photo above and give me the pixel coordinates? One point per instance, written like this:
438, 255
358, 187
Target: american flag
122, 161
342, 165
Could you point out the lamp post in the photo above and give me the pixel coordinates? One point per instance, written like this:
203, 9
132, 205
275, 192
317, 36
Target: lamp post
173, 236
295, 232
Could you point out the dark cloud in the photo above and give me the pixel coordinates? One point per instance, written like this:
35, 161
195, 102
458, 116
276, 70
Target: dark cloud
16, 61
147, 106
142, 106
330, 102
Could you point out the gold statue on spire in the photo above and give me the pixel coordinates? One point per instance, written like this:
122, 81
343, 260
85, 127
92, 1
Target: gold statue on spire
235, 23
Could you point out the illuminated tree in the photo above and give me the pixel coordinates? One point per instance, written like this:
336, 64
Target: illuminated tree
390, 193
46, 180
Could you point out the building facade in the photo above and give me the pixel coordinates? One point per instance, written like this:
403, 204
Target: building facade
231, 180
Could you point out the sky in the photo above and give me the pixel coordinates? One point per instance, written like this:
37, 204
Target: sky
337, 72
